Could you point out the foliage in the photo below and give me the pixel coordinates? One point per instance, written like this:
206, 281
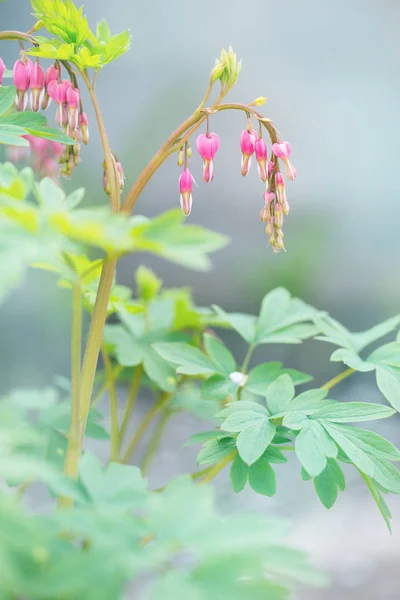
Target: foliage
114, 530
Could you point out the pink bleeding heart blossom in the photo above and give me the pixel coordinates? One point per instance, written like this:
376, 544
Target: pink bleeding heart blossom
207, 146
265, 213
2, 69
73, 99
282, 151
37, 79
261, 157
248, 146
84, 127
21, 79
58, 92
185, 188
52, 74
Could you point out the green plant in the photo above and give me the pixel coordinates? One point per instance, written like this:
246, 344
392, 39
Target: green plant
110, 530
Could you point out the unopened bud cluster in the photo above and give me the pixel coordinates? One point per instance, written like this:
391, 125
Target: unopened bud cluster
35, 90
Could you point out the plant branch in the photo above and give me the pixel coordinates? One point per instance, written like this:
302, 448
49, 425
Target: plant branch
113, 403
335, 380
104, 386
155, 409
155, 440
130, 402
213, 472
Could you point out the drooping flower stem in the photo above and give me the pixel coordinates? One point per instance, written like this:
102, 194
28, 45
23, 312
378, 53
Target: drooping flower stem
130, 402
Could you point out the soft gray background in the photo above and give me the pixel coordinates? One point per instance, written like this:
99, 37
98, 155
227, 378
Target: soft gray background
331, 73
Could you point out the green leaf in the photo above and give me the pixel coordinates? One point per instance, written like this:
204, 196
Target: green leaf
327, 483
244, 325
103, 33
351, 359
217, 387
218, 353
388, 354
283, 319
7, 97
388, 381
350, 446
372, 443
239, 474
254, 440
12, 135
49, 133
264, 374
295, 420
147, 283
313, 446
243, 405
187, 245
214, 450
274, 455
379, 500
241, 419
262, 478
310, 401
23, 119
353, 412
119, 487
189, 360
279, 394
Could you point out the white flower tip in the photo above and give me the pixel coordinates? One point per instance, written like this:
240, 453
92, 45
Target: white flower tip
238, 378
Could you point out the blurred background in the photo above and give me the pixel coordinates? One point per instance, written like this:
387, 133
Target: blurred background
330, 71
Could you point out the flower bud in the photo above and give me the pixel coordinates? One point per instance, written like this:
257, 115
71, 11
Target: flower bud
281, 149
73, 99
37, 79
290, 170
121, 176
2, 69
278, 216
285, 208
271, 167
207, 146
21, 80
261, 157
265, 213
280, 188
180, 157
84, 127
185, 188
269, 197
52, 74
259, 101
247, 145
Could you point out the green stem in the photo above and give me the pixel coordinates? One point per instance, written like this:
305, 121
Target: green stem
155, 440
74, 447
94, 339
130, 402
155, 409
104, 386
247, 358
213, 472
113, 403
335, 380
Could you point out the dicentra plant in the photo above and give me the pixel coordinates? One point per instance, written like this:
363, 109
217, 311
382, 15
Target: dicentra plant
103, 530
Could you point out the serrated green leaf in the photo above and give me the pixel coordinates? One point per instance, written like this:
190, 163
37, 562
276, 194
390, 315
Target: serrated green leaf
254, 440
243, 405
388, 354
379, 500
239, 474
274, 455
49, 133
327, 483
360, 458
12, 135
295, 420
148, 284
262, 478
261, 376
